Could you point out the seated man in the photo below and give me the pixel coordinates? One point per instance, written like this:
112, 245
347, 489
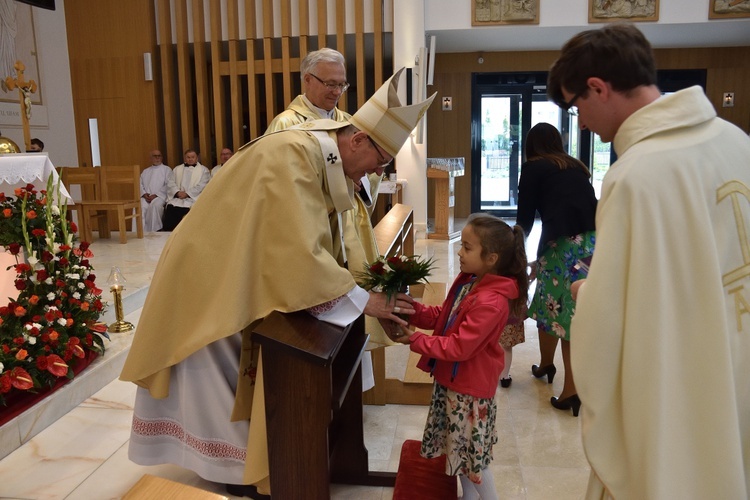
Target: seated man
154, 182
186, 182
224, 156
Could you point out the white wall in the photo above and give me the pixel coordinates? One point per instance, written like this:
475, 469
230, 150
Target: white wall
682, 23
411, 161
54, 67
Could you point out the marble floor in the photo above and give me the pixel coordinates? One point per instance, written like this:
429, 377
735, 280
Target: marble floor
83, 454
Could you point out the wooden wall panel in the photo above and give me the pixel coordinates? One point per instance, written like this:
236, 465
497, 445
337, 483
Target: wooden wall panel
218, 94
108, 81
204, 143
449, 132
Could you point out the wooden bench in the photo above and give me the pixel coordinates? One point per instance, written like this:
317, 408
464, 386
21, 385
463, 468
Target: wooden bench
395, 236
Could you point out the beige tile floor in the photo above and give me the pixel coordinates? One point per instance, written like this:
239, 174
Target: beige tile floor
83, 455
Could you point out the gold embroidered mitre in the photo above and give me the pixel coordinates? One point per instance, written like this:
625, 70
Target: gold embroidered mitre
386, 120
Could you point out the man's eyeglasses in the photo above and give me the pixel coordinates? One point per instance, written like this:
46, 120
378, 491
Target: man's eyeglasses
570, 106
341, 87
382, 160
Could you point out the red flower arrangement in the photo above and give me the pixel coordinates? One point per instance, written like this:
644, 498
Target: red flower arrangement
53, 323
394, 274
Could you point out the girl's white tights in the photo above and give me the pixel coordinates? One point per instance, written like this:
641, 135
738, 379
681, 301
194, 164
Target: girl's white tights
508, 359
485, 490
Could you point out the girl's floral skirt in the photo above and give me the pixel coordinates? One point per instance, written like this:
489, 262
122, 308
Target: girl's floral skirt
553, 306
462, 427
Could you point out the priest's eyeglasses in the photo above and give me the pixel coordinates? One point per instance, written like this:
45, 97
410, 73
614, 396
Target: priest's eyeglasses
341, 87
570, 106
383, 162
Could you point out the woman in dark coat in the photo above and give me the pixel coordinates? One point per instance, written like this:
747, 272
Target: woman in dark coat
557, 187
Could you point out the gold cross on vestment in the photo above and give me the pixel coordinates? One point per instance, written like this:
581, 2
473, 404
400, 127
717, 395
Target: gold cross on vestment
25, 89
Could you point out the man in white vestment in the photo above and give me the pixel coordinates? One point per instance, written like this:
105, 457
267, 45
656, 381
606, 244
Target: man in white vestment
154, 180
186, 182
660, 342
224, 156
266, 235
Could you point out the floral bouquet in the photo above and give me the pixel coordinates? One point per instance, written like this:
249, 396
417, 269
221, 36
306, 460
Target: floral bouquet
53, 322
395, 274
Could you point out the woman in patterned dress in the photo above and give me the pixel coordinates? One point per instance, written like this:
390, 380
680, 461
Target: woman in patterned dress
557, 186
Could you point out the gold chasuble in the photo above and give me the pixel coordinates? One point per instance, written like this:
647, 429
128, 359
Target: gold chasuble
359, 237
281, 252
268, 234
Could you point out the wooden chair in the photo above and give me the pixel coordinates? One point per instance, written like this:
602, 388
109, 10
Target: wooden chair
127, 206
89, 181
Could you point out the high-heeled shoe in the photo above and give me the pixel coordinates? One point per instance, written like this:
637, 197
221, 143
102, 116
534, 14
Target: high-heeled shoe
570, 403
505, 382
548, 370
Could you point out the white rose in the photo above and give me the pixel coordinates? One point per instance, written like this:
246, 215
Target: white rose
31, 340
55, 210
62, 321
77, 296
81, 285
2, 367
50, 296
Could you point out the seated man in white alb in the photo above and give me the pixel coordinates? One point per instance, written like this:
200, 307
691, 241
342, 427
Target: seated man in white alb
154, 182
224, 156
186, 182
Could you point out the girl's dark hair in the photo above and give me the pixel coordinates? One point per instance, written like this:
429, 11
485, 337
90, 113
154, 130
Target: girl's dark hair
544, 141
508, 243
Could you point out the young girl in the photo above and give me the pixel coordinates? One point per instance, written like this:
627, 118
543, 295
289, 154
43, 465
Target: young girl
464, 355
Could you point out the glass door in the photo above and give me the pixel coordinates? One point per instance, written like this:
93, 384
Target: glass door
500, 131
503, 112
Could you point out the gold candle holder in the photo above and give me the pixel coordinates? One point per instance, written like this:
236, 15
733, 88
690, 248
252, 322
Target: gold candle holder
117, 281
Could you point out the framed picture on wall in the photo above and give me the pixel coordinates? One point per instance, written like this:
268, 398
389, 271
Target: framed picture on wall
605, 11
722, 9
499, 12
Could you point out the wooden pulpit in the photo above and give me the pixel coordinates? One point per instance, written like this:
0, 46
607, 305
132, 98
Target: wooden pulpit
313, 396
444, 171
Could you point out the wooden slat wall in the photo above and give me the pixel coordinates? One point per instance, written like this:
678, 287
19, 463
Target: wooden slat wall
201, 74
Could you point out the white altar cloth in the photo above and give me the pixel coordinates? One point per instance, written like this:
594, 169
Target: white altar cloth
17, 170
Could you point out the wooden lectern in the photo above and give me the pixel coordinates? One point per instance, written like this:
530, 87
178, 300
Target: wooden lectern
444, 171
313, 396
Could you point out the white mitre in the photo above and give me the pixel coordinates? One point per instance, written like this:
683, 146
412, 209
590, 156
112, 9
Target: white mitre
386, 120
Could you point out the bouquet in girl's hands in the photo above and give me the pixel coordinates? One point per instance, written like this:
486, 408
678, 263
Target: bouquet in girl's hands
394, 274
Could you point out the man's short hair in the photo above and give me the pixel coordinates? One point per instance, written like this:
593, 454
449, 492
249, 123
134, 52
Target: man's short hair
37, 142
617, 53
324, 55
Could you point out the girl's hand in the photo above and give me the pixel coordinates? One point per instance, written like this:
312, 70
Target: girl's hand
396, 332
